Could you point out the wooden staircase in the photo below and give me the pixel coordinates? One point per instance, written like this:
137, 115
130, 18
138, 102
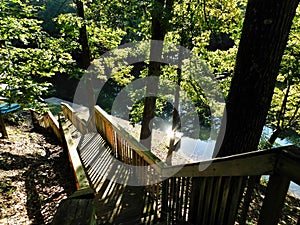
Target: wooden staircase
132, 186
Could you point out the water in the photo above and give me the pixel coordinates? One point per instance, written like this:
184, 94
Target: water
294, 188
267, 132
196, 149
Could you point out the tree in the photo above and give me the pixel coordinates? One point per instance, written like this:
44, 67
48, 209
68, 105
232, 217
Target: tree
89, 29
286, 104
85, 54
28, 54
264, 37
210, 20
161, 13
284, 114
185, 27
127, 15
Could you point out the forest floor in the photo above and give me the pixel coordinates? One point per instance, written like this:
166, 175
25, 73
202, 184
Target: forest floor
290, 212
34, 175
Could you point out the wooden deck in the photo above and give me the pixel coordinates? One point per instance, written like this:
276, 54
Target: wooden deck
202, 193
115, 201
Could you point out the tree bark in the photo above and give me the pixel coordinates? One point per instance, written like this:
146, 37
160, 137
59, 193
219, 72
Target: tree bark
175, 119
85, 59
274, 136
175, 116
3, 128
83, 38
264, 37
160, 16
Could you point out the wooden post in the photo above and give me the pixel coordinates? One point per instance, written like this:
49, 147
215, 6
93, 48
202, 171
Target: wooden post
164, 200
277, 189
3, 128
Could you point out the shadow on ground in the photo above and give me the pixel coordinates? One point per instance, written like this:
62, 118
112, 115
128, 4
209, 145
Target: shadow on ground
45, 178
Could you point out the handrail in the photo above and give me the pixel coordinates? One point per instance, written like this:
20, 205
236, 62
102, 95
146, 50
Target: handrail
266, 161
235, 165
220, 178
288, 163
47, 120
140, 149
69, 113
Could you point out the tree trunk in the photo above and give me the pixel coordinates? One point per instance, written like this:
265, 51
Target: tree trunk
160, 16
274, 136
85, 59
175, 119
264, 37
175, 116
3, 128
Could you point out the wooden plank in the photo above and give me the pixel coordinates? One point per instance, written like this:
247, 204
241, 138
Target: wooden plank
75, 212
53, 123
277, 189
38, 120
208, 196
165, 200
70, 114
187, 202
195, 189
253, 163
216, 200
65, 212
182, 199
173, 198
47, 121
141, 150
289, 164
83, 193
224, 198
201, 202
81, 178
235, 196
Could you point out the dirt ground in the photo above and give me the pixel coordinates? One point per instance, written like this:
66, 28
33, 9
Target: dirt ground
34, 176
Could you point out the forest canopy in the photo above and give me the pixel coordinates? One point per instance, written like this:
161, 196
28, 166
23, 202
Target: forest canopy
43, 39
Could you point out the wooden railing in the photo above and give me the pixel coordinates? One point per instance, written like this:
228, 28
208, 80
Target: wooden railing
147, 167
47, 121
70, 114
209, 196
213, 195
79, 207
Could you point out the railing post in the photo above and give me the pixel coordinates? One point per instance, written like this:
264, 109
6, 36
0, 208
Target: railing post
276, 192
164, 200
194, 199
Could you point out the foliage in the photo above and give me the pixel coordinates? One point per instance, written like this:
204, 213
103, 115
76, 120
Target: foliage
284, 112
52, 9
101, 36
54, 109
191, 26
28, 54
126, 15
